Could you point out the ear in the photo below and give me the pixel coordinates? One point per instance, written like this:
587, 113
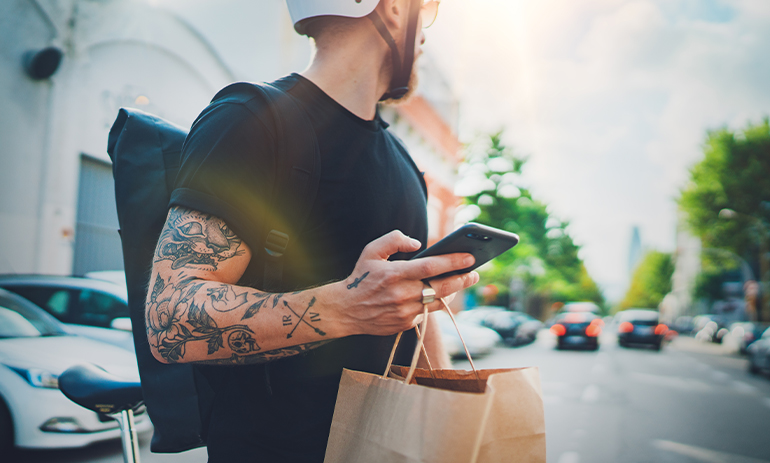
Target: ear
392, 12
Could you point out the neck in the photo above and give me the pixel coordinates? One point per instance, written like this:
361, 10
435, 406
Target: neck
353, 73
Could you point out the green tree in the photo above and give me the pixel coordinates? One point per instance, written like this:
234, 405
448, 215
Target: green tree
651, 281
546, 259
727, 200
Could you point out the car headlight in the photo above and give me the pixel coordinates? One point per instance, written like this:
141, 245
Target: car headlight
37, 377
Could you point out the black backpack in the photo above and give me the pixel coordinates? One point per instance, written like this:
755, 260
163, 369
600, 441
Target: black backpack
146, 156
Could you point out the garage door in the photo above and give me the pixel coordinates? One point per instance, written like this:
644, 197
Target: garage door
97, 243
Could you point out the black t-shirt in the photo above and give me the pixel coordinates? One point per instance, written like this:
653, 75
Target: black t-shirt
368, 187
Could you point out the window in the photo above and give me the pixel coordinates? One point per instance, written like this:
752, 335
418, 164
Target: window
55, 301
99, 309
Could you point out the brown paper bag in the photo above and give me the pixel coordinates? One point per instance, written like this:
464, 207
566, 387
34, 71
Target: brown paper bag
438, 416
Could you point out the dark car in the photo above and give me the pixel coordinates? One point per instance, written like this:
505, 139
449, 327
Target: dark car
89, 307
577, 330
527, 330
759, 354
505, 323
641, 327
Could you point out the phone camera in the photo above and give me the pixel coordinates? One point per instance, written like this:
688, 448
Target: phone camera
476, 236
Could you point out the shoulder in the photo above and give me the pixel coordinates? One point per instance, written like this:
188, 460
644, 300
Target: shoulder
232, 119
395, 140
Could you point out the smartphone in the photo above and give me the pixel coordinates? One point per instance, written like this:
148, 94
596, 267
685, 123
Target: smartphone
485, 243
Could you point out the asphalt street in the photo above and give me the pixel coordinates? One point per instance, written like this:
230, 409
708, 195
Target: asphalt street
691, 402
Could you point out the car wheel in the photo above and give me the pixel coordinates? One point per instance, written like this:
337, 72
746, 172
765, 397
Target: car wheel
6, 429
657, 346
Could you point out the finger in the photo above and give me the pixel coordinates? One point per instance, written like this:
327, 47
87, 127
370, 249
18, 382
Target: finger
428, 267
389, 244
448, 286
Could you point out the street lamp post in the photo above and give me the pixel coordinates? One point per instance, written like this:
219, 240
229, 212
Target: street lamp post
764, 263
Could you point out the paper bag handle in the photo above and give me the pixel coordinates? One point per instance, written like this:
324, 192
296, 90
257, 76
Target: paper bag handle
421, 347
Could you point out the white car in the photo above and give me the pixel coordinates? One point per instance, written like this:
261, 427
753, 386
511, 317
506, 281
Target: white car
480, 340
34, 350
95, 307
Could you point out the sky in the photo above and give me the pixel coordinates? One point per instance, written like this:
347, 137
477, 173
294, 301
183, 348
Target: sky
610, 100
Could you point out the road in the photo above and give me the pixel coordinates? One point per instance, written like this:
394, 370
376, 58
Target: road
690, 403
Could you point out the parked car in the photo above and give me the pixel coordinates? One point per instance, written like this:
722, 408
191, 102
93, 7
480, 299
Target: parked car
505, 323
117, 277
35, 349
516, 328
577, 330
89, 307
527, 331
477, 314
641, 327
759, 354
480, 340
742, 334
710, 328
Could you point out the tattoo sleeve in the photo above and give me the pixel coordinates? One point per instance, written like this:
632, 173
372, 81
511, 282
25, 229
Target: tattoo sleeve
220, 323
265, 357
196, 241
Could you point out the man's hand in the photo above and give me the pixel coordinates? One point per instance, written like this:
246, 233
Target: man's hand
195, 312
382, 297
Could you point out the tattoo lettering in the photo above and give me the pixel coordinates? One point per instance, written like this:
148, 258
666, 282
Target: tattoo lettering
315, 317
195, 240
358, 281
287, 320
302, 319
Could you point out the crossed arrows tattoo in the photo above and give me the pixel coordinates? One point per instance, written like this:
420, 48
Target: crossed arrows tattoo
313, 317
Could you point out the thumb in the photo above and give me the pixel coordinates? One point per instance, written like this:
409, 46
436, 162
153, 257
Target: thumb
389, 244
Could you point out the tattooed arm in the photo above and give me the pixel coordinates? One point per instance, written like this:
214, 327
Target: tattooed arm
196, 313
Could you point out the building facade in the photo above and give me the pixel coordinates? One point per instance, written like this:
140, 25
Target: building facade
166, 57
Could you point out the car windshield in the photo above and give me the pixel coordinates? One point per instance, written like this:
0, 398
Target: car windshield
639, 315
576, 317
20, 321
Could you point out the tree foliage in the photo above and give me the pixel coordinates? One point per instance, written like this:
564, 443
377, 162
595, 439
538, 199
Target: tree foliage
651, 281
546, 259
734, 174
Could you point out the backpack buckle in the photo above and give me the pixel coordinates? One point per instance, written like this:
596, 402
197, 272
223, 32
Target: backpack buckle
276, 243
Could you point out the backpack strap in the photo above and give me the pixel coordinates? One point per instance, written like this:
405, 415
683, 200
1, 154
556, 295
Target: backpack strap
297, 172
298, 186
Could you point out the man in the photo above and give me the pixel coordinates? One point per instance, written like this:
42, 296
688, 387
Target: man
274, 359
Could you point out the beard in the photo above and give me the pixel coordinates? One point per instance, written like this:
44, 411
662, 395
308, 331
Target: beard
411, 86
